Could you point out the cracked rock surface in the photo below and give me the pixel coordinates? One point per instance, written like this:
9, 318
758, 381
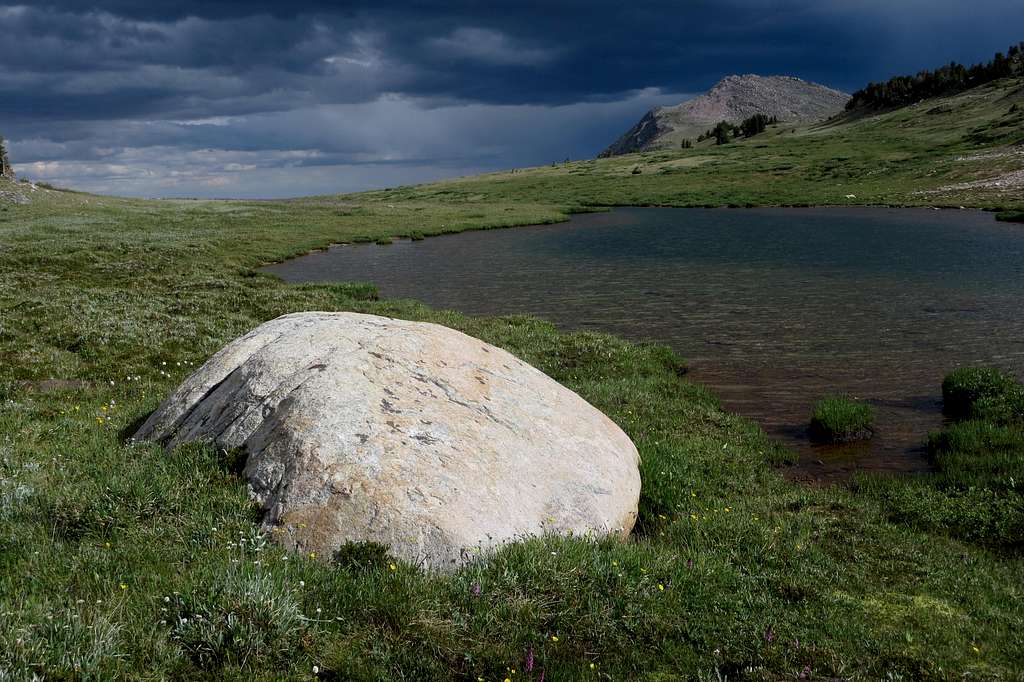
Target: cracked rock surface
418, 437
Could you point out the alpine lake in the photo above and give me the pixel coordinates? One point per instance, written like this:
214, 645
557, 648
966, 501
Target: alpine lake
771, 308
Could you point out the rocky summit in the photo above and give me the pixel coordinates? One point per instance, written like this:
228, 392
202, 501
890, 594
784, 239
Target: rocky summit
358, 428
732, 99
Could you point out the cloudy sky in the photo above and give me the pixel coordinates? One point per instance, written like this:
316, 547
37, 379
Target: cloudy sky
267, 99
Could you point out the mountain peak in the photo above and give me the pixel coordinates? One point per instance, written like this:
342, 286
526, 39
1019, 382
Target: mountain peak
732, 99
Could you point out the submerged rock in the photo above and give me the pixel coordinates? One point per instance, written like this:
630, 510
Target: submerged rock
408, 434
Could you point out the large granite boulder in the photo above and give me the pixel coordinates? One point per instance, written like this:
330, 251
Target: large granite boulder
412, 435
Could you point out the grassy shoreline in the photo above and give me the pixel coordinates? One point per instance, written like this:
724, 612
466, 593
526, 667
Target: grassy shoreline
122, 562
733, 571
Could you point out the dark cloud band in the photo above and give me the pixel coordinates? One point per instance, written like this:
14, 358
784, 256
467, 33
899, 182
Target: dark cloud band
272, 72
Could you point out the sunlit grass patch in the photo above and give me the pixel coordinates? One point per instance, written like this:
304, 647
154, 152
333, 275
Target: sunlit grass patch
840, 419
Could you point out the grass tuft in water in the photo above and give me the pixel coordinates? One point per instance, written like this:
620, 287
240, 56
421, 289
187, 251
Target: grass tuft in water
1011, 216
840, 419
965, 388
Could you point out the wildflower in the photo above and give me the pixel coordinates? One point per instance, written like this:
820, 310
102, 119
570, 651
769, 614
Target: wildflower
592, 666
124, 586
316, 670
393, 567
554, 638
661, 587
302, 583
475, 589
312, 555
529, 660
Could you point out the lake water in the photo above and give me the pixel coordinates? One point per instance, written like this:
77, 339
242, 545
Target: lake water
772, 308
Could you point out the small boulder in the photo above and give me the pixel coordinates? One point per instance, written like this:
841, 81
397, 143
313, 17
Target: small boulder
358, 428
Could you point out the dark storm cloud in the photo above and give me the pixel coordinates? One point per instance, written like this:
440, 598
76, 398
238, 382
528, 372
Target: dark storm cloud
90, 81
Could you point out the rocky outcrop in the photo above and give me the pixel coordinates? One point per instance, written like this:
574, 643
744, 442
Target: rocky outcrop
411, 435
732, 99
640, 136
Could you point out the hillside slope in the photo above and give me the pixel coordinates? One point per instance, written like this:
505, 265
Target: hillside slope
732, 99
965, 150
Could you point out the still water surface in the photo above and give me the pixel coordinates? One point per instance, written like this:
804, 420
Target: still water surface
772, 308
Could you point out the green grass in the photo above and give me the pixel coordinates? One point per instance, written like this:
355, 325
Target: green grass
120, 561
839, 419
966, 389
977, 490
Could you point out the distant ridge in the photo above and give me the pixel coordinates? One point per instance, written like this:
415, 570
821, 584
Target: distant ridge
732, 99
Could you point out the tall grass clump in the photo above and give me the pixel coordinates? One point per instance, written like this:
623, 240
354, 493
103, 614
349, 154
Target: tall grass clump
1011, 216
839, 419
963, 388
976, 492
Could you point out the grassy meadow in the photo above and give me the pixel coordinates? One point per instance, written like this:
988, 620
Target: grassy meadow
119, 561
